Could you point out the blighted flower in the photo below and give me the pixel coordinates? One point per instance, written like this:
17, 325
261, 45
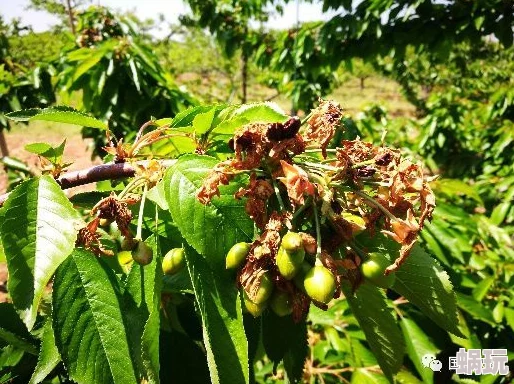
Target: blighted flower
323, 123
114, 209
88, 238
297, 182
221, 174
258, 192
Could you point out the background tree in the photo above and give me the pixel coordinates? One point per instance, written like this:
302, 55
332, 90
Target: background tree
64, 9
120, 77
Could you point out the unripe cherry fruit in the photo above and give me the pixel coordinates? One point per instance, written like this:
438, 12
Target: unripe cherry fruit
373, 271
320, 284
237, 255
300, 275
265, 290
281, 303
358, 224
289, 262
292, 241
128, 244
124, 258
105, 222
142, 253
254, 309
173, 261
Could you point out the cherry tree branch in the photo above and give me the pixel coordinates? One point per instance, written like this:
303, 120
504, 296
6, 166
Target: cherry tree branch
110, 171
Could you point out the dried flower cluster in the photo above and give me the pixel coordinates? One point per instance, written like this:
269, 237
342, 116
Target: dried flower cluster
356, 187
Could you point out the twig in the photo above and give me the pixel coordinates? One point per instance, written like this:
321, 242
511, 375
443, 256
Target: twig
96, 173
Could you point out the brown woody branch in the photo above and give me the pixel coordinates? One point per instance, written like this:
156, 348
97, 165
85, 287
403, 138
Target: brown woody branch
97, 173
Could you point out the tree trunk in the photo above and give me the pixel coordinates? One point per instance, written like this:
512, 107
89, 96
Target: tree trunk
244, 75
362, 83
69, 9
3, 144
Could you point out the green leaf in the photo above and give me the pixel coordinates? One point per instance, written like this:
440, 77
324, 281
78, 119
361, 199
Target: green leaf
251, 113
185, 118
48, 355
38, 233
203, 121
474, 308
423, 282
13, 331
368, 304
362, 375
284, 339
405, 377
88, 322
455, 187
509, 316
57, 114
54, 154
141, 310
210, 229
418, 345
13, 163
469, 339
294, 359
88, 62
222, 320
482, 288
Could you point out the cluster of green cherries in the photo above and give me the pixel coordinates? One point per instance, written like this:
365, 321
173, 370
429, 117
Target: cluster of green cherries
135, 250
316, 281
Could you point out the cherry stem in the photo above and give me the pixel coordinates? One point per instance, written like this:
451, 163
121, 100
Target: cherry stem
277, 193
318, 231
130, 186
141, 130
306, 119
375, 203
321, 166
357, 250
306, 203
318, 150
141, 212
363, 163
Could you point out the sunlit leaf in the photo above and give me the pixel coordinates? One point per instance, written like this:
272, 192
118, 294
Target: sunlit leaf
368, 304
88, 323
38, 233
48, 355
57, 114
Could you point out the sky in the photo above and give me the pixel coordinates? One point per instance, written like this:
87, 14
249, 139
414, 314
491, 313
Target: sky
41, 21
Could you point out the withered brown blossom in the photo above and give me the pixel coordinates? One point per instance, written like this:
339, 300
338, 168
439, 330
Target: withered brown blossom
88, 238
114, 209
251, 144
323, 123
297, 183
373, 184
221, 174
262, 253
258, 193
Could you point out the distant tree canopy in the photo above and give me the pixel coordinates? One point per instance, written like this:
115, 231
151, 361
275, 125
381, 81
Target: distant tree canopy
368, 30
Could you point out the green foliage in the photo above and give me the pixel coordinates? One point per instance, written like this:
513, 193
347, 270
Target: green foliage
120, 312
38, 233
59, 114
138, 325
37, 48
21, 88
120, 77
85, 307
